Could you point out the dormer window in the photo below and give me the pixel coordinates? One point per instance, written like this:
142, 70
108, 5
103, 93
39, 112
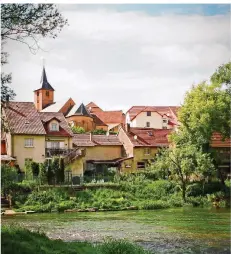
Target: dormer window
54, 127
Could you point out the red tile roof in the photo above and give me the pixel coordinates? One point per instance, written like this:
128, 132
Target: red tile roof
23, 118
92, 107
149, 137
64, 129
170, 111
111, 116
84, 140
217, 141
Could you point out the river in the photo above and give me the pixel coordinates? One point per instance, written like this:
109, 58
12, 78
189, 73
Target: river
178, 230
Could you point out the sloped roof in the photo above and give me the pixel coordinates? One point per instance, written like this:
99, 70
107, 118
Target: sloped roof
58, 106
149, 137
97, 121
170, 111
45, 84
217, 141
64, 129
80, 111
23, 118
84, 140
111, 116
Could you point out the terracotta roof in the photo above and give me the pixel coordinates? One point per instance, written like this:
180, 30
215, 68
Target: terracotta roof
64, 129
23, 118
83, 140
217, 141
149, 137
97, 121
111, 116
170, 111
92, 107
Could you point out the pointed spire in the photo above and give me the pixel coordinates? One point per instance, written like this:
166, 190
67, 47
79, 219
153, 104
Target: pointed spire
82, 110
44, 81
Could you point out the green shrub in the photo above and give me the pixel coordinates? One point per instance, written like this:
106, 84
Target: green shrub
64, 205
152, 205
120, 247
198, 201
175, 201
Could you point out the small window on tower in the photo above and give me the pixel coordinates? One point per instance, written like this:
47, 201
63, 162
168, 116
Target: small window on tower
37, 93
147, 124
47, 93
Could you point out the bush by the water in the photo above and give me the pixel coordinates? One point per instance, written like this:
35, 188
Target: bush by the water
22, 241
127, 192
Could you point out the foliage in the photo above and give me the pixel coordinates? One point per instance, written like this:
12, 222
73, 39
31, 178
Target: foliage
206, 109
102, 132
77, 129
222, 75
156, 204
22, 241
26, 23
111, 246
43, 173
182, 162
8, 178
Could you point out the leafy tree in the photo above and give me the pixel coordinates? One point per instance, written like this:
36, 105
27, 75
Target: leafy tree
35, 168
223, 75
27, 23
8, 178
206, 109
43, 173
61, 170
78, 129
183, 162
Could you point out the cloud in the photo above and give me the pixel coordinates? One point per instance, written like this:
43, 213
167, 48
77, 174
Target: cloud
119, 59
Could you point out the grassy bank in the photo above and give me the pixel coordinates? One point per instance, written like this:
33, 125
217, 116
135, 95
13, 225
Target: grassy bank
22, 241
133, 192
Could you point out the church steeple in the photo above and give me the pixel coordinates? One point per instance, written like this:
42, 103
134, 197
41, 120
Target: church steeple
45, 84
44, 96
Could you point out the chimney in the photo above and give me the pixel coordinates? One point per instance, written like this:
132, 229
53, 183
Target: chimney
127, 127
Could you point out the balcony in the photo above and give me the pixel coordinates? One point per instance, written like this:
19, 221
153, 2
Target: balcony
50, 152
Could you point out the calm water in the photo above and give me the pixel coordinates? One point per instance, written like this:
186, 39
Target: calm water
181, 230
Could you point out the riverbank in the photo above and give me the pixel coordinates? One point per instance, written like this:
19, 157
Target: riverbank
17, 240
134, 193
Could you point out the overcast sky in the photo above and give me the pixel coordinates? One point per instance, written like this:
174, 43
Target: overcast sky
124, 55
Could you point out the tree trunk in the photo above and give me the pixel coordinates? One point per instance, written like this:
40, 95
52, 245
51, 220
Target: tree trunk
184, 192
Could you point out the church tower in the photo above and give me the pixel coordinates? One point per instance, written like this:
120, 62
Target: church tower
44, 96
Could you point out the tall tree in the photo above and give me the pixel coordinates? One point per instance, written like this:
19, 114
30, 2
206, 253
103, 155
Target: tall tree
183, 162
27, 23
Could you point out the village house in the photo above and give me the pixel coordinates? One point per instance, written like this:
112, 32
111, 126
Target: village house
140, 146
100, 152
158, 117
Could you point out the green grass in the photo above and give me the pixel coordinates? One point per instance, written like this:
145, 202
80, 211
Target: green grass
21, 241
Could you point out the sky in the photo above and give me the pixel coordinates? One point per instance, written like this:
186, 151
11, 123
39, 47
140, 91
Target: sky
123, 55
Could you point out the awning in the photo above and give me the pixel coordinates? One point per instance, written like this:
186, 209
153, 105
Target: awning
7, 158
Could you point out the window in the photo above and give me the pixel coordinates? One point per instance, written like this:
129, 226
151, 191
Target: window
165, 127
47, 93
165, 120
140, 165
149, 113
54, 127
37, 93
147, 151
147, 124
29, 142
